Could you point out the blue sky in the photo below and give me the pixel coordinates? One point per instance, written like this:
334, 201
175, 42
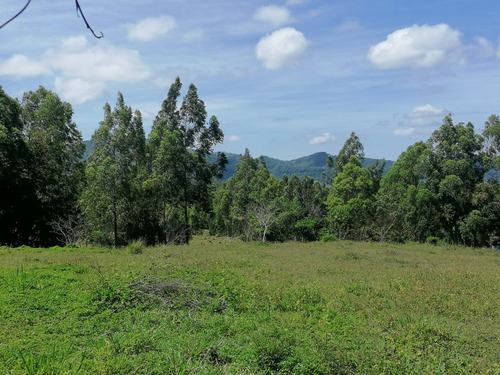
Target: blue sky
285, 78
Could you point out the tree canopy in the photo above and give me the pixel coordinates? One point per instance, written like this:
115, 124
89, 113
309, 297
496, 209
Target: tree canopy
165, 187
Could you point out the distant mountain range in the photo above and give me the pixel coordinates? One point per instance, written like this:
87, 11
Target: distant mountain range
313, 165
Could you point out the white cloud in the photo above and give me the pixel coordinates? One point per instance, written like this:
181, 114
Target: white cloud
417, 47
74, 43
404, 132
163, 81
151, 28
322, 139
235, 138
101, 62
82, 69
22, 66
425, 111
424, 116
273, 15
484, 46
284, 48
78, 90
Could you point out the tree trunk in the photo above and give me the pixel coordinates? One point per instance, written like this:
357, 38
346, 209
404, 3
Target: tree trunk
115, 223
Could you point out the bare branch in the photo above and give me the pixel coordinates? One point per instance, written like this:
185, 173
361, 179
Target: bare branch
79, 9
17, 15
67, 229
78, 12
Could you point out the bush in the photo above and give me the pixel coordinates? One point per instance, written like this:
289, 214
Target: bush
136, 247
328, 238
431, 240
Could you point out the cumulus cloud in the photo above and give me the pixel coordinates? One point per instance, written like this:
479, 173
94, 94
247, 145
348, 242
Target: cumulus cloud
78, 90
425, 111
284, 48
74, 43
484, 46
82, 69
322, 139
151, 28
102, 62
404, 132
420, 117
273, 15
22, 66
417, 47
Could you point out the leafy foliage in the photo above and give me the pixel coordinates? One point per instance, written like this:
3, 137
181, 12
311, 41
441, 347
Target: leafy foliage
110, 201
179, 145
16, 187
41, 166
170, 185
352, 147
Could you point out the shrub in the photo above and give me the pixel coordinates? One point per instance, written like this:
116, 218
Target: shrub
328, 238
431, 240
136, 247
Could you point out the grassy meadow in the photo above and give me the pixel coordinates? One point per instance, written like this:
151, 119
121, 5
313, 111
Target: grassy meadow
220, 306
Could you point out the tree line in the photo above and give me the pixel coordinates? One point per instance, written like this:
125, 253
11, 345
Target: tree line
165, 187
130, 187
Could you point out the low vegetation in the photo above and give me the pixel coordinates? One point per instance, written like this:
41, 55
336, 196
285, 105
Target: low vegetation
221, 306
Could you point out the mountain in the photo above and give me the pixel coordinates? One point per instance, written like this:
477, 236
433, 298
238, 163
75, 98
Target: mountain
89, 147
313, 165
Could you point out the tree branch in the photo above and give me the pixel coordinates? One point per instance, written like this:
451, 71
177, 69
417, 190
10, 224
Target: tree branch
79, 9
78, 12
17, 15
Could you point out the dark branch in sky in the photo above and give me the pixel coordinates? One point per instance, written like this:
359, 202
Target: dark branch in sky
17, 15
78, 11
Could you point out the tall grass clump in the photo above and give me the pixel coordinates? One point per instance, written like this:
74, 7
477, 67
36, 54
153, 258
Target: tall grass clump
136, 247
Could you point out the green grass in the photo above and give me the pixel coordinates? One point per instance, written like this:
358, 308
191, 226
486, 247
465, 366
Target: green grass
226, 307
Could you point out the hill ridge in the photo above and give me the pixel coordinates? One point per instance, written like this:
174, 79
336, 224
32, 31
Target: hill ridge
312, 165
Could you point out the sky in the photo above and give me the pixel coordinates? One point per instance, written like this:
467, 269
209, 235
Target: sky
285, 78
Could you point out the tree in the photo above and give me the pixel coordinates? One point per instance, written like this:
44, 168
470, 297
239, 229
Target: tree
329, 174
351, 201
351, 147
405, 206
255, 204
491, 134
18, 201
56, 169
265, 214
481, 227
311, 209
430, 190
459, 164
110, 201
233, 199
180, 142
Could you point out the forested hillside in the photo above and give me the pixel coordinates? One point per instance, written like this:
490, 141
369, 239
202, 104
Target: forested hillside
313, 166
169, 184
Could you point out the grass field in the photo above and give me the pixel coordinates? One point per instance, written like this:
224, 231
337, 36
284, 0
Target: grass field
226, 307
